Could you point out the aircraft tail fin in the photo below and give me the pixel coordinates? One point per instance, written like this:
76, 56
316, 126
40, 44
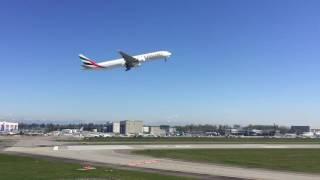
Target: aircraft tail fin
88, 63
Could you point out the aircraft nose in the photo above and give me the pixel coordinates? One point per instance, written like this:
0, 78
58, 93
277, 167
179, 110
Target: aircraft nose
168, 53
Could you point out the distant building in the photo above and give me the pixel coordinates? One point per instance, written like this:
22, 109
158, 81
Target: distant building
113, 127
165, 127
156, 131
308, 134
8, 126
290, 135
233, 132
146, 129
299, 129
129, 127
172, 131
316, 132
169, 130
69, 131
254, 132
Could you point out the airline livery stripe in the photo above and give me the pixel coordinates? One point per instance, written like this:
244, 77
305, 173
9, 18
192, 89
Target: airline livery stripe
90, 62
87, 63
82, 58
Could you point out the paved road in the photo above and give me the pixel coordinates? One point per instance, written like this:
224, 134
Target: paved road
115, 154
192, 146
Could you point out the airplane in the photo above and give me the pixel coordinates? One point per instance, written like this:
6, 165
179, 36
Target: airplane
126, 61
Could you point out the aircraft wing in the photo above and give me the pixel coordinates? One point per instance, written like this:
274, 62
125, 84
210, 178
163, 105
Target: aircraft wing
127, 57
130, 60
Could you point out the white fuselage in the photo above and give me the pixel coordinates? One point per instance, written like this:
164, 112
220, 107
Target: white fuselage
142, 58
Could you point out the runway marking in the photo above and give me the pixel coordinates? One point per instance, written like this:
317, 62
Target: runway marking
182, 146
138, 163
56, 148
156, 146
275, 147
97, 147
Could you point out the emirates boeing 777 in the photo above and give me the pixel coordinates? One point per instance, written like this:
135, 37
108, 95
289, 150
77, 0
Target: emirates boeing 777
126, 61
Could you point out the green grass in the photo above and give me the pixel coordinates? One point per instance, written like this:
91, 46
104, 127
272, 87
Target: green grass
186, 140
15, 167
299, 160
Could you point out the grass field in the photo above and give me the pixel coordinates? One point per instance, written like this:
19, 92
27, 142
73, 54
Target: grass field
15, 167
202, 140
299, 160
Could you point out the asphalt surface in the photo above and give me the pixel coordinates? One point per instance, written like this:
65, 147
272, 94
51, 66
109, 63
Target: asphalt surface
118, 155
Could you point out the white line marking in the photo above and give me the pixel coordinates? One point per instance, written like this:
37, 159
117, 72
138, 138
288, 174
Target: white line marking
182, 146
138, 163
98, 147
275, 147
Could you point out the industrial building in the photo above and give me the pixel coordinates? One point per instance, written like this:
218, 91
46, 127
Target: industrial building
157, 131
234, 132
112, 127
8, 126
170, 131
299, 129
154, 131
129, 127
146, 129
69, 131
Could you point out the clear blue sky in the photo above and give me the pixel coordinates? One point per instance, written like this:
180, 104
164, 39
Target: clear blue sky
233, 61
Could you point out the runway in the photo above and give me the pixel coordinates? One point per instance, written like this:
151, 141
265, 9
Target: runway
118, 155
